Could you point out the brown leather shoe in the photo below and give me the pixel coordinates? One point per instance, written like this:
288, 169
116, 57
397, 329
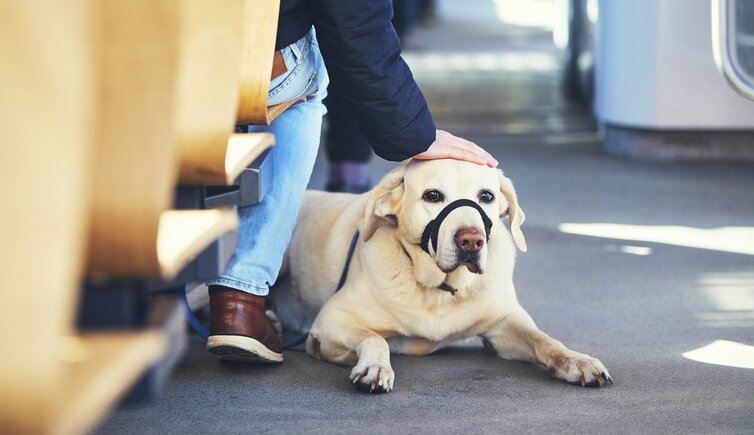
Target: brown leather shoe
239, 328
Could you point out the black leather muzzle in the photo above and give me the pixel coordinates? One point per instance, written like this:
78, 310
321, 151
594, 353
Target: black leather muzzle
432, 230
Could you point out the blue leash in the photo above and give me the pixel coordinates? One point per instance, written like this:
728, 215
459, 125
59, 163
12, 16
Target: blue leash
344, 274
202, 331
196, 325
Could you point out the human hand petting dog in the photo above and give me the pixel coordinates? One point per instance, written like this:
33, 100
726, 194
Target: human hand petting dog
447, 146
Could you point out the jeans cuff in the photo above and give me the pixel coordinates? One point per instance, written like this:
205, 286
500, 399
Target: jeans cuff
253, 289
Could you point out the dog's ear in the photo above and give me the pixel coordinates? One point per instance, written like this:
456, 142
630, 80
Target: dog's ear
515, 214
384, 201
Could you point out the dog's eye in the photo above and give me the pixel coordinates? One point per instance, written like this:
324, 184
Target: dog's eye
486, 196
433, 196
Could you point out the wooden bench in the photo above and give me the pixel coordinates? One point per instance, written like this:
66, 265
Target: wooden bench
89, 133
133, 232
137, 241
53, 379
213, 43
107, 106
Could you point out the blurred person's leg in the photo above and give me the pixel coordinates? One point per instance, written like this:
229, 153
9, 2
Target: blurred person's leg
427, 11
348, 151
240, 330
405, 17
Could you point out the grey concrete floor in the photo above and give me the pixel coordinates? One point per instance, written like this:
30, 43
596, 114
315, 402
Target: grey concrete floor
638, 313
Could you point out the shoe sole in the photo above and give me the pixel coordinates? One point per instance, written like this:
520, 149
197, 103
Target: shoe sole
238, 348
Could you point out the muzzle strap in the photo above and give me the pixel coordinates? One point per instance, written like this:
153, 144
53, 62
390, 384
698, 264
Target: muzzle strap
432, 230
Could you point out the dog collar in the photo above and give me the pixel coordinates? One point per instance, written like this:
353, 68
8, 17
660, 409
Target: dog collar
432, 230
448, 288
444, 286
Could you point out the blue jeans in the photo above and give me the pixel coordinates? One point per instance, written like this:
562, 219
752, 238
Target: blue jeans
266, 228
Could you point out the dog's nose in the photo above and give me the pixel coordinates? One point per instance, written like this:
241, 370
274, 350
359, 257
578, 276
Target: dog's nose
469, 240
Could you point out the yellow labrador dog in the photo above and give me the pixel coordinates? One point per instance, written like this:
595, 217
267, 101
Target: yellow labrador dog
434, 264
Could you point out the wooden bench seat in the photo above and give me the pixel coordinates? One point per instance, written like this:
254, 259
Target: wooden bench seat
98, 368
222, 165
184, 234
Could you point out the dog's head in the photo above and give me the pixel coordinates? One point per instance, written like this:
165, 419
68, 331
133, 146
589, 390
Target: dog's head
413, 194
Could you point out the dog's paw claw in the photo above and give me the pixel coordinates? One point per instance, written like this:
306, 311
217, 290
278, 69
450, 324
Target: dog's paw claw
370, 388
373, 379
579, 369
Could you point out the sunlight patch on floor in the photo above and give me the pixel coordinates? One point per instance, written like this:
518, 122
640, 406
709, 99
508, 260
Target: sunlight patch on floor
731, 295
729, 291
739, 240
724, 353
629, 249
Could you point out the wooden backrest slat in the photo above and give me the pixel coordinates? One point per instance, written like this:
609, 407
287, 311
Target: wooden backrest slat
260, 27
135, 168
47, 105
208, 87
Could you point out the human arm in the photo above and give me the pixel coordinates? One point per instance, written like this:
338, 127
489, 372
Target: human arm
362, 55
447, 146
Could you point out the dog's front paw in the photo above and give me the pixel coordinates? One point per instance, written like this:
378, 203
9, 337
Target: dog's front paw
373, 378
578, 369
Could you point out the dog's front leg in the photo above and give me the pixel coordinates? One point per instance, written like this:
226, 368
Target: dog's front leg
339, 341
373, 372
517, 337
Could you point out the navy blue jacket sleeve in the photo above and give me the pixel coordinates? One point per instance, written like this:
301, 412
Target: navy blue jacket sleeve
362, 55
